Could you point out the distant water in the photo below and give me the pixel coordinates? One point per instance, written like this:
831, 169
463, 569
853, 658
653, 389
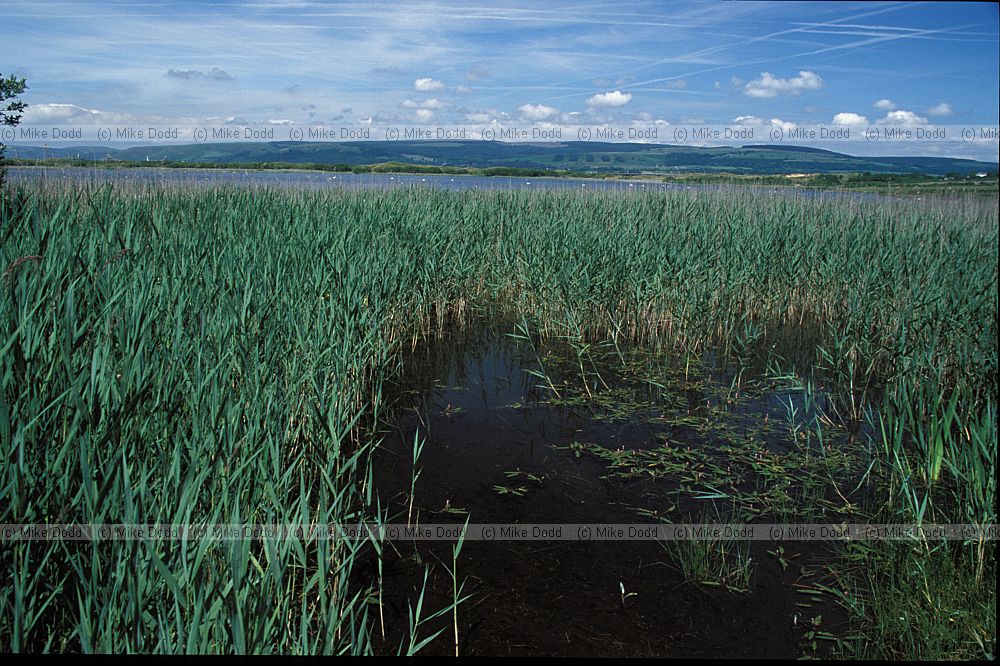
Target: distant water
319, 179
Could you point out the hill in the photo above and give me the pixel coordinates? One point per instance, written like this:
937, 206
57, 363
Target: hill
602, 158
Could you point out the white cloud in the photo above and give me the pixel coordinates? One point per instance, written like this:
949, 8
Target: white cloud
463, 89
645, 117
478, 117
537, 111
770, 86
428, 85
885, 104
37, 113
616, 98
424, 115
902, 118
848, 118
754, 120
72, 113
430, 103
942, 109
57, 113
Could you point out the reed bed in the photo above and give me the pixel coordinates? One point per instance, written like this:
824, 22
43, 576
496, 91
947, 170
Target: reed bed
216, 355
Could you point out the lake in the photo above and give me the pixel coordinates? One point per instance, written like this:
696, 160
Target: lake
320, 179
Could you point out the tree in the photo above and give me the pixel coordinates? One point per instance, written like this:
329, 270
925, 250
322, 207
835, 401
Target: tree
10, 115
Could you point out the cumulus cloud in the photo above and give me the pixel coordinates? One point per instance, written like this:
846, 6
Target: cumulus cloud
214, 74
902, 118
645, 117
537, 111
616, 98
37, 114
431, 103
769, 85
491, 116
885, 105
424, 115
41, 113
848, 118
942, 109
428, 85
463, 89
754, 120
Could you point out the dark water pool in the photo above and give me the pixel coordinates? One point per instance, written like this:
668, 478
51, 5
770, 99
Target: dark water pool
515, 431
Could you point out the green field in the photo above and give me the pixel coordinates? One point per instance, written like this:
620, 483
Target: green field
219, 355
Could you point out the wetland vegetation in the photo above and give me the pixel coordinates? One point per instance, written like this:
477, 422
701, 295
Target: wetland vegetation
917, 184
205, 354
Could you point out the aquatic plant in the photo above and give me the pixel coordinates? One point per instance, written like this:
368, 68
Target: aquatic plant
217, 354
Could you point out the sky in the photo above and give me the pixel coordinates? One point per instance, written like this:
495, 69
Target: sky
754, 63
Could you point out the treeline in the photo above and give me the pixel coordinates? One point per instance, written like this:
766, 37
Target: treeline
845, 180
894, 178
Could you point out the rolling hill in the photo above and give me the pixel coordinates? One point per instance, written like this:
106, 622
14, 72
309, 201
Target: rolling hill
604, 158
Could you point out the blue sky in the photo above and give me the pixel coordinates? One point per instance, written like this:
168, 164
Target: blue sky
553, 62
